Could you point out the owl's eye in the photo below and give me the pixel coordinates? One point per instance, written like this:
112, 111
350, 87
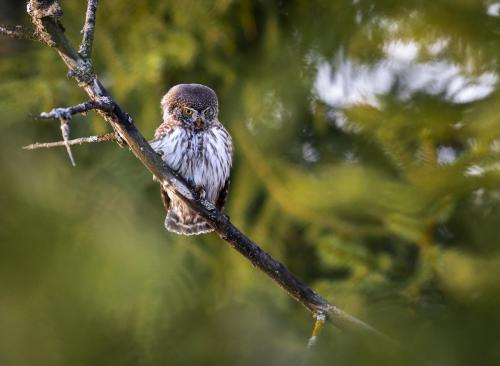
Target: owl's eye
187, 112
207, 112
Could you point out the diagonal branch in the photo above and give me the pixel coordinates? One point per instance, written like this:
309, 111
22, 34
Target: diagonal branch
88, 30
123, 124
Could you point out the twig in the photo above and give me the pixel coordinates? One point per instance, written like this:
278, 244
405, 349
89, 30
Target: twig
18, 32
88, 30
65, 115
68, 112
320, 320
79, 141
65, 136
318, 325
123, 124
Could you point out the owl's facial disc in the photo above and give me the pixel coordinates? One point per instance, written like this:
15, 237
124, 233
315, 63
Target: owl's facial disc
199, 119
193, 106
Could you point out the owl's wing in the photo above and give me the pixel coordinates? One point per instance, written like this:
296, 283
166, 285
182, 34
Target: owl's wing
221, 200
165, 198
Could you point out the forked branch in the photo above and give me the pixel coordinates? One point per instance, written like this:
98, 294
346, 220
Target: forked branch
122, 123
64, 115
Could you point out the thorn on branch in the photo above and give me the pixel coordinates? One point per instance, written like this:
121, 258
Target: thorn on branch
88, 30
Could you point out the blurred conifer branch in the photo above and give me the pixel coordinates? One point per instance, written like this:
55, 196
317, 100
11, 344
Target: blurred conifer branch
45, 15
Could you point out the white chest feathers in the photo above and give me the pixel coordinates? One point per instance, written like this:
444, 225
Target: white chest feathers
203, 158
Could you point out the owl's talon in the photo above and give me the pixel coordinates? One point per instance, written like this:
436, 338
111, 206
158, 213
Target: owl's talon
200, 191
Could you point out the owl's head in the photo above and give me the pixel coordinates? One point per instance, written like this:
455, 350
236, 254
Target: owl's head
192, 105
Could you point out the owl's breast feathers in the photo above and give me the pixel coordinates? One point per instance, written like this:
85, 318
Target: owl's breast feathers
202, 157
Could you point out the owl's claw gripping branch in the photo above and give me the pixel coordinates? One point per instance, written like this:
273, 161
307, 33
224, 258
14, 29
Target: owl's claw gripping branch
47, 22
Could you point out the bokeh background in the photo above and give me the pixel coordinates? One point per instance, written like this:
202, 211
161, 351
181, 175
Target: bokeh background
367, 143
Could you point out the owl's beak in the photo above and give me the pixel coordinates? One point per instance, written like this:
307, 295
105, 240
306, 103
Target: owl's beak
198, 122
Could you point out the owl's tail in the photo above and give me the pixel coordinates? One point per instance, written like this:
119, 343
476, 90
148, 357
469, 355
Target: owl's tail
182, 220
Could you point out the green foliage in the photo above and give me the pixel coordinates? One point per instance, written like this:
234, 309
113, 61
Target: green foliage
388, 205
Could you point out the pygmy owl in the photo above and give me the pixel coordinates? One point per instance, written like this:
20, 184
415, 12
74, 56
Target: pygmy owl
193, 142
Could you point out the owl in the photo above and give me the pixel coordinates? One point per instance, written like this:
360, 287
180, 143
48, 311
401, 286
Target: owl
193, 142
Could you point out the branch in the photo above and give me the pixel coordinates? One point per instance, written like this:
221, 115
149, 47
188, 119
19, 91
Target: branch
65, 136
88, 30
125, 127
79, 141
18, 32
68, 112
65, 115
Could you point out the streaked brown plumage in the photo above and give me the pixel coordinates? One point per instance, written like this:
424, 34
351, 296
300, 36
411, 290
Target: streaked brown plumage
194, 143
